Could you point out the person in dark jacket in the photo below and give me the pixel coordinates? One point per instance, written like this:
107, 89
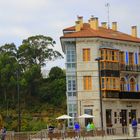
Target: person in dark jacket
3, 133
134, 127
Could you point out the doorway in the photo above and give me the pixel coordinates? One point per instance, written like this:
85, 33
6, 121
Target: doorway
108, 117
124, 117
88, 120
124, 121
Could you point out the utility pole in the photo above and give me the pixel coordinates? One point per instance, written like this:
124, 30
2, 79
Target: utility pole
100, 92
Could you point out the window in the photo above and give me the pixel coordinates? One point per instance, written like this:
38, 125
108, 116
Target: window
109, 55
122, 61
71, 84
123, 84
110, 83
113, 55
72, 108
70, 54
132, 84
103, 83
102, 54
86, 54
131, 59
87, 83
70, 57
109, 65
139, 58
71, 94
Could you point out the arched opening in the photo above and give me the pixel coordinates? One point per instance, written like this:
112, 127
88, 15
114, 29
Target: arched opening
123, 84
132, 84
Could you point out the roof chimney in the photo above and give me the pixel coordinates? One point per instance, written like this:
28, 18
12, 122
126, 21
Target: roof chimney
114, 26
94, 23
134, 31
77, 26
104, 24
80, 18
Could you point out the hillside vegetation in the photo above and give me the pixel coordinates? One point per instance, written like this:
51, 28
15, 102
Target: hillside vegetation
28, 101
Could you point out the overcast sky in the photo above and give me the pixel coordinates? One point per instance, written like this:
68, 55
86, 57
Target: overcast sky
20, 19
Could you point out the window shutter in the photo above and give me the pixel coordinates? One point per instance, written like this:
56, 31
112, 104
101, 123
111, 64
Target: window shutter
128, 87
137, 87
126, 57
136, 58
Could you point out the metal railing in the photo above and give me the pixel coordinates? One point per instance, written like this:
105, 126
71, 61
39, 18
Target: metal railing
124, 131
124, 67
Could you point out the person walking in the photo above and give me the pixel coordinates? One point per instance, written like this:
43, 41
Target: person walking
134, 127
3, 133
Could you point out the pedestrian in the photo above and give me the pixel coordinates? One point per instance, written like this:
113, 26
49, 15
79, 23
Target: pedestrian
92, 126
76, 127
77, 130
3, 133
134, 127
88, 127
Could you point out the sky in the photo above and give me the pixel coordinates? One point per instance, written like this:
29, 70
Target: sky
20, 19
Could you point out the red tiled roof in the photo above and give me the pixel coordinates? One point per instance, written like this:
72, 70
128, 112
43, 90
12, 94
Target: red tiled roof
86, 31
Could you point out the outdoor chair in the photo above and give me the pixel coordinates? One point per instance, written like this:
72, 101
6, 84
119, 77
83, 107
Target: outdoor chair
71, 134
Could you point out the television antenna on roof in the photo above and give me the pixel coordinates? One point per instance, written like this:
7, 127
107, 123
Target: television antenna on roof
107, 5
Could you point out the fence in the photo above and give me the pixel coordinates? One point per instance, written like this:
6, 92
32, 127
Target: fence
70, 134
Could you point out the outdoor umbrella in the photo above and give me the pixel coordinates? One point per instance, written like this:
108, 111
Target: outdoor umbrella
86, 116
64, 117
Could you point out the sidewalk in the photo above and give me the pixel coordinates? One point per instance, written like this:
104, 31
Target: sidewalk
113, 138
97, 138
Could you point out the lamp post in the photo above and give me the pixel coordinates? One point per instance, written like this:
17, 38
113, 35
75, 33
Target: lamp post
18, 95
19, 116
101, 108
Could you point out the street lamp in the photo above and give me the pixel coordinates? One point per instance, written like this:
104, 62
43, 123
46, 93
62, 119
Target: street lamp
101, 108
18, 95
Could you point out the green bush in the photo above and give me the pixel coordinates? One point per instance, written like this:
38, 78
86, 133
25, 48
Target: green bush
36, 125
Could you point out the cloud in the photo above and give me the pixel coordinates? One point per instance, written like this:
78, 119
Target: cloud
22, 18
23, 4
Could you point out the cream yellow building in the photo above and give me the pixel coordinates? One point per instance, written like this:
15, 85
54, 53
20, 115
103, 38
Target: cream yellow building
119, 69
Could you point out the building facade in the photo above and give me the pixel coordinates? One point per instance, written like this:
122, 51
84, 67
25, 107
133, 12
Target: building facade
116, 76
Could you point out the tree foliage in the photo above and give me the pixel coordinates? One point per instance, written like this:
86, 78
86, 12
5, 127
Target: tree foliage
53, 91
37, 50
21, 67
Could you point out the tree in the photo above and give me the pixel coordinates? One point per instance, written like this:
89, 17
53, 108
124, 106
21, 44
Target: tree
56, 73
54, 90
33, 54
8, 68
37, 50
21, 67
